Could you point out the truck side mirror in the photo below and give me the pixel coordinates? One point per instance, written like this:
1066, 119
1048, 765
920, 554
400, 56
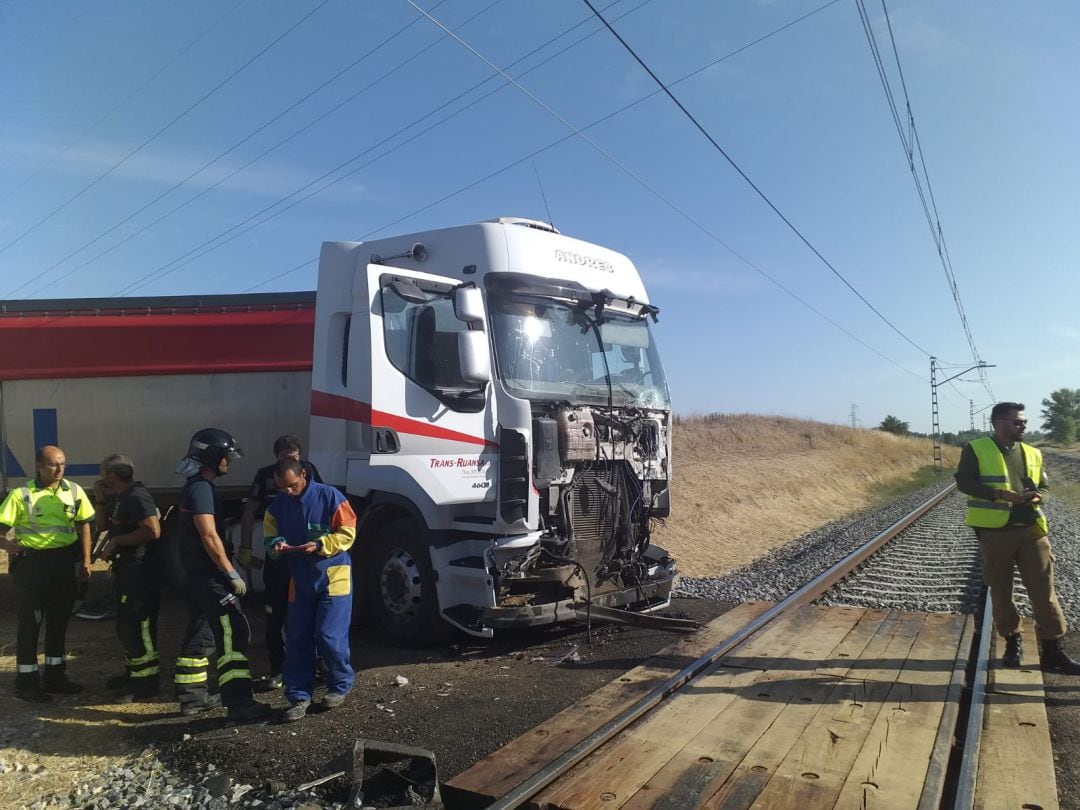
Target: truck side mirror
469, 305
474, 357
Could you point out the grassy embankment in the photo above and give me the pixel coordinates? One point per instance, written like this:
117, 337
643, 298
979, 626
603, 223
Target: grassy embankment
745, 484
1063, 488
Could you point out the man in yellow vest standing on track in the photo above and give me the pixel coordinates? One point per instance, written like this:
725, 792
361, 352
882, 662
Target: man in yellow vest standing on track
51, 518
1006, 486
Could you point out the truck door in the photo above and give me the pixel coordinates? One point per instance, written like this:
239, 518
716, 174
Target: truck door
432, 422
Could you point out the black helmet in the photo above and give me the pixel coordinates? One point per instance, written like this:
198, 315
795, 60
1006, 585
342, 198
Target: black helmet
210, 445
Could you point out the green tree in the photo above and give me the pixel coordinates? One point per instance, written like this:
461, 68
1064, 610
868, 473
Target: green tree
893, 424
1061, 413
1066, 430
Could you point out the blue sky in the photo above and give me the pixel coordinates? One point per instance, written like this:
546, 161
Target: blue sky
992, 87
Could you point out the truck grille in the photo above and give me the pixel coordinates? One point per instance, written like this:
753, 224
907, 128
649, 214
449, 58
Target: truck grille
592, 512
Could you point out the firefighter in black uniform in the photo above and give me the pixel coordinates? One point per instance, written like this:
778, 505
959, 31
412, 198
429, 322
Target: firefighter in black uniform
216, 622
134, 527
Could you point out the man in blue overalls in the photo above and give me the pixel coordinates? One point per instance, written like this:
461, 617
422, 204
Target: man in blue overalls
313, 527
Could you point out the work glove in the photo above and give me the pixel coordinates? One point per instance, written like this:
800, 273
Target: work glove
243, 556
236, 582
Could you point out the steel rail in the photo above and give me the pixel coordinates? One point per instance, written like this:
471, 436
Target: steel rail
969, 762
939, 771
807, 593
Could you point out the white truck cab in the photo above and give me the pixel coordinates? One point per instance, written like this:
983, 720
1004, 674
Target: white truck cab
491, 399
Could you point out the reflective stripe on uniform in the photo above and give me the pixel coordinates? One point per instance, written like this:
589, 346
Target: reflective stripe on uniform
53, 660
143, 659
975, 503
194, 677
24, 668
47, 531
232, 674
193, 662
226, 630
148, 671
147, 640
230, 657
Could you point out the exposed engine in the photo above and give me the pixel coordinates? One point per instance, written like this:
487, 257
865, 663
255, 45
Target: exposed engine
602, 479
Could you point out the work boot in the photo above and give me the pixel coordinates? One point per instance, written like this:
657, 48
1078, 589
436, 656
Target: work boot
1053, 658
1014, 649
55, 680
190, 708
28, 688
296, 712
249, 712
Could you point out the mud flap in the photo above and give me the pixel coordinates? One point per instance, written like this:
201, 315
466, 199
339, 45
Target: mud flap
395, 777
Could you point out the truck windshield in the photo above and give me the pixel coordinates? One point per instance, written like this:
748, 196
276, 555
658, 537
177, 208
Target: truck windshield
548, 349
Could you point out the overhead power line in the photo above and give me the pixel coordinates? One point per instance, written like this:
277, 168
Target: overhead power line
105, 115
559, 141
301, 194
47, 272
908, 133
746, 177
576, 132
161, 131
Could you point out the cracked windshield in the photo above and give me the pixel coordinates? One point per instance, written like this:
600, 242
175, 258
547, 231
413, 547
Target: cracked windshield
550, 350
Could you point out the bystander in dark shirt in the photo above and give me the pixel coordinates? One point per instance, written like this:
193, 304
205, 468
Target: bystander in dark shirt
129, 509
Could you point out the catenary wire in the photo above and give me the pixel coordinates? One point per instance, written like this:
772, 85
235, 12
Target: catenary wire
105, 115
579, 133
750, 182
912, 147
162, 130
559, 141
52, 281
208, 245
243, 226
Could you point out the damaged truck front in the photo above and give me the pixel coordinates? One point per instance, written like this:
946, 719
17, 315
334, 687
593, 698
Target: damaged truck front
492, 399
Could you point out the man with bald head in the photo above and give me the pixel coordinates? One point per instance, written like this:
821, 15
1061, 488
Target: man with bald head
51, 518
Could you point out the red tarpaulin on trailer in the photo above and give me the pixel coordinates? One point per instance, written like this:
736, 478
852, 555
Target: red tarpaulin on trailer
51, 347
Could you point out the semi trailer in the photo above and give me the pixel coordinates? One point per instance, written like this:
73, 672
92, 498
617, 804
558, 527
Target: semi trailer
489, 396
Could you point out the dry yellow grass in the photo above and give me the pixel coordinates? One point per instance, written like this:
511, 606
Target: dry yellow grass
745, 484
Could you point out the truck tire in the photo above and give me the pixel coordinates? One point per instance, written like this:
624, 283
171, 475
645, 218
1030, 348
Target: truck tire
401, 587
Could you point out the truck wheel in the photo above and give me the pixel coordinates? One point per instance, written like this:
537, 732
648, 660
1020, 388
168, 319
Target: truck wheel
401, 587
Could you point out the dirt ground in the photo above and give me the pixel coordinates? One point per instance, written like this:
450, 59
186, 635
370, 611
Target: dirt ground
462, 701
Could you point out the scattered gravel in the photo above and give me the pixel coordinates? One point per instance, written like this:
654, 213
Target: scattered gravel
778, 573
144, 781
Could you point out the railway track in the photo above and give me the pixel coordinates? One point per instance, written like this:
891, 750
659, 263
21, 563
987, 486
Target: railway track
931, 566
924, 562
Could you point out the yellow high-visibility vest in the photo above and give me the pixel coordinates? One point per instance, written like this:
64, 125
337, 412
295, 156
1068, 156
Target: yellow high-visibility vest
43, 518
993, 473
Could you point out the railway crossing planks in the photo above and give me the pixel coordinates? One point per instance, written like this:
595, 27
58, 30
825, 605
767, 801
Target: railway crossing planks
1016, 762
892, 766
519, 759
695, 718
826, 707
